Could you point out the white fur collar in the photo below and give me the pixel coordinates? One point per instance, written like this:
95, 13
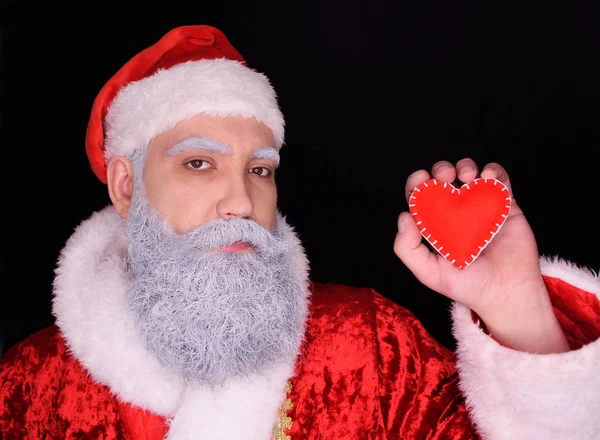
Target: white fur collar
91, 312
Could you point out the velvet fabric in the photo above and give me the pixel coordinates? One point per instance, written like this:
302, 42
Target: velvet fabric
45, 394
367, 370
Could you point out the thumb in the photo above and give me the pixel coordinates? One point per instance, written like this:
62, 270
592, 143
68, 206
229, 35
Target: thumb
415, 255
408, 238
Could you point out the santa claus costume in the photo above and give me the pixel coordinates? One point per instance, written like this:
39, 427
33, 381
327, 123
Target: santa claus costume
366, 368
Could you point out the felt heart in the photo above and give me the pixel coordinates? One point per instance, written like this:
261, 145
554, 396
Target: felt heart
460, 222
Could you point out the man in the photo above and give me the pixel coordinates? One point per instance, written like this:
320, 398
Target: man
184, 309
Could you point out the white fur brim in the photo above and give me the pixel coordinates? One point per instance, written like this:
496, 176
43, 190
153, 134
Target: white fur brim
148, 107
91, 311
515, 395
245, 409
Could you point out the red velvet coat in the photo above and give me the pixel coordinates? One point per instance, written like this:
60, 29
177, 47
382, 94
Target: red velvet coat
367, 369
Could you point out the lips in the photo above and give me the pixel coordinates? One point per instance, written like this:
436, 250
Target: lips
238, 246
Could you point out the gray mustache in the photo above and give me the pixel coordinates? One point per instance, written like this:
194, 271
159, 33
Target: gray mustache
209, 237
219, 233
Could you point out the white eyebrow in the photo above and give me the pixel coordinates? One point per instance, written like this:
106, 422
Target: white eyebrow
267, 153
199, 143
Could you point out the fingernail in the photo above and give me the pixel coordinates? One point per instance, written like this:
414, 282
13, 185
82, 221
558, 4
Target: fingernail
401, 224
466, 168
486, 172
441, 167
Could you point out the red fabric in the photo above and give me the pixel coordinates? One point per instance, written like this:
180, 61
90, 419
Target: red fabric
185, 43
142, 424
577, 311
367, 369
460, 222
46, 394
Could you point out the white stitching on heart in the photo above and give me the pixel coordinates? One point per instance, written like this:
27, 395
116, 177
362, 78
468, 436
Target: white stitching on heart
492, 233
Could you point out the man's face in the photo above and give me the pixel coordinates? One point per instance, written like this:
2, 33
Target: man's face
205, 186
209, 168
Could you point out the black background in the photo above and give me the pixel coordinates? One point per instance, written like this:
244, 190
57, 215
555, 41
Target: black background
371, 90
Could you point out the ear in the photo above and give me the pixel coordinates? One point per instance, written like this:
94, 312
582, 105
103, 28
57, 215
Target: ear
120, 183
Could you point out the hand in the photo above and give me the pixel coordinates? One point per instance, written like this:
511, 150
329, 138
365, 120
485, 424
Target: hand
504, 286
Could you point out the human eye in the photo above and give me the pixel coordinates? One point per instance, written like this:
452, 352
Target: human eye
261, 171
198, 164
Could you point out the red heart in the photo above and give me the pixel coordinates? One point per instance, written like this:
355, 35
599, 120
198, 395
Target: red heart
460, 222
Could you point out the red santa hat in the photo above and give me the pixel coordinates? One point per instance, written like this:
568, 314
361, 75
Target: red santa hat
190, 70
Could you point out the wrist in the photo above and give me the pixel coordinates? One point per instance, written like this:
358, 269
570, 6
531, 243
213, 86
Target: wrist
523, 319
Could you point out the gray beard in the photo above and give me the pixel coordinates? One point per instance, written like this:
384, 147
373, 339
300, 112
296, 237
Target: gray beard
211, 315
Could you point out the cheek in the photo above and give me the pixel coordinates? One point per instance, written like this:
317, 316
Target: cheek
265, 207
181, 206
174, 197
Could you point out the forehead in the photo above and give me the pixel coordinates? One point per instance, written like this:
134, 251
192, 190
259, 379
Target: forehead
234, 133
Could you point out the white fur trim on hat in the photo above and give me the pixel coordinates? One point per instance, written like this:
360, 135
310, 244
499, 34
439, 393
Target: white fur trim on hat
150, 106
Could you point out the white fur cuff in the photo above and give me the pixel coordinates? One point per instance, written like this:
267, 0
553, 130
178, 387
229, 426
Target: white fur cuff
515, 395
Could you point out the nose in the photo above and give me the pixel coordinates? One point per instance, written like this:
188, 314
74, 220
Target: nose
235, 201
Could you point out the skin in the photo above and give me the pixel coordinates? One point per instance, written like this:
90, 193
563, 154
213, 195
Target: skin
195, 186
504, 286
